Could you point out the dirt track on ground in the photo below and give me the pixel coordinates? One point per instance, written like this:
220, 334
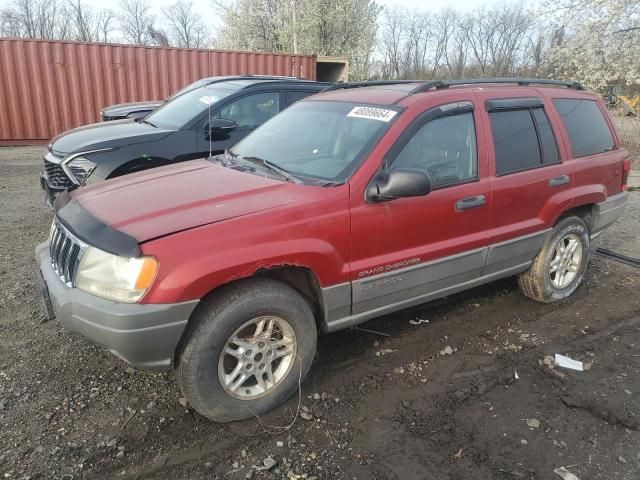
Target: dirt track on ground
389, 407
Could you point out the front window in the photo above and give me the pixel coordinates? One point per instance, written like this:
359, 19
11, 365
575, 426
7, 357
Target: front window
183, 109
318, 140
251, 111
445, 149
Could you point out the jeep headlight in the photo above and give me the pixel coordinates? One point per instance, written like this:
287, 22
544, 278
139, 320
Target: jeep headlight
80, 168
116, 278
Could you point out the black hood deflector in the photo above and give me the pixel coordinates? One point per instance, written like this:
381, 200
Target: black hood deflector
81, 223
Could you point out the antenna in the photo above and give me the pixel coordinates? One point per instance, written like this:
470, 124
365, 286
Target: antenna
209, 101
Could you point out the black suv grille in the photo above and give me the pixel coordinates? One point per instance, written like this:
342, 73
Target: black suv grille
66, 252
56, 176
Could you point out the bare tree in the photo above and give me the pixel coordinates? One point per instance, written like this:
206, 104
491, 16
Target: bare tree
35, 19
390, 44
104, 25
456, 47
83, 20
135, 21
186, 28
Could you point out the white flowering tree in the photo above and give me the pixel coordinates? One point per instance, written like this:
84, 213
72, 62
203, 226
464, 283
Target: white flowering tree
597, 41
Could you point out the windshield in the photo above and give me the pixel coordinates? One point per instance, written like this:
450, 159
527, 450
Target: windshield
198, 83
318, 140
181, 110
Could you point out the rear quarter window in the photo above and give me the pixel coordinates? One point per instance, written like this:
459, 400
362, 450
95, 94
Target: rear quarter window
586, 127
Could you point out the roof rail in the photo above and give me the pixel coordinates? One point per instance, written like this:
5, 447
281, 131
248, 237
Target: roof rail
286, 81
227, 78
442, 84
372, 83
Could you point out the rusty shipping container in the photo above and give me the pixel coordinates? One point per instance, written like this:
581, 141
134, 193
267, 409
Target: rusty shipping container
47, 87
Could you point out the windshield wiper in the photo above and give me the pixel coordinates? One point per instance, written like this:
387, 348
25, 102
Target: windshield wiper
272, 166
142, 120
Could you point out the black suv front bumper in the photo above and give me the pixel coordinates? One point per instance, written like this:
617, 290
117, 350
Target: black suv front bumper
53, 179
50, 192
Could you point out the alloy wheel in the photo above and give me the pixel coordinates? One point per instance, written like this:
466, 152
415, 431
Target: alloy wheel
257, 357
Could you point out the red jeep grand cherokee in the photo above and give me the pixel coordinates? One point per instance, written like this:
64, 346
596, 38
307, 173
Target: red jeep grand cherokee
351, 204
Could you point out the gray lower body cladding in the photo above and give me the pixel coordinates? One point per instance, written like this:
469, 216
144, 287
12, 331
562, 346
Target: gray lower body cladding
607, 212
402, 288
142, 334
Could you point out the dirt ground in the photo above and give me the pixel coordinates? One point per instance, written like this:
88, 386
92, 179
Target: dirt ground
455, 389
629, 128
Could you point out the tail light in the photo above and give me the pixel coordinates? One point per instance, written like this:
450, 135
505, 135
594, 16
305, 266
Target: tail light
626, 168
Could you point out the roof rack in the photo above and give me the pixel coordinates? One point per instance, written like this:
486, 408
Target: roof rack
442, 84
372, 83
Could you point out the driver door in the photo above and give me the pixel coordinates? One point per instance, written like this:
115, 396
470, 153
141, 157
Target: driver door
408, 250
248, 113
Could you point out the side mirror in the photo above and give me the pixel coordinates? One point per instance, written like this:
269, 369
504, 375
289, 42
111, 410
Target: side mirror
222, 125
399, 183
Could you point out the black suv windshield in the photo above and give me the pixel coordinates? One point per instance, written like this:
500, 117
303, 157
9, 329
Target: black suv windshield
318, 140
182, 109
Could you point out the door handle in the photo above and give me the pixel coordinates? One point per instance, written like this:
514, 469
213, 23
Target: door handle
557, 181
470, 202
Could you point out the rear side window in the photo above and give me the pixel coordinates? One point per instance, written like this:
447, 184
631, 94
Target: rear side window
515, 140
587, 129
523, 140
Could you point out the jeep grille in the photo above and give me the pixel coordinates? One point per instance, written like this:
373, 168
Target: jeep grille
66, 252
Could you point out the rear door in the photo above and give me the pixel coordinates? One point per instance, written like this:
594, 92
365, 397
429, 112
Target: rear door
248, 112
529, 182
405, 250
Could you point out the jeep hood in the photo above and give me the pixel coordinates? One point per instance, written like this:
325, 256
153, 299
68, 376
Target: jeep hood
95, 136
165, 200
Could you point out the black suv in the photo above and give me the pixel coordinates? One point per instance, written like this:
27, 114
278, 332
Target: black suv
140, 109
202, 121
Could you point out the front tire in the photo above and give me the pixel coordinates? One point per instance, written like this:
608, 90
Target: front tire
559, 268
246, 350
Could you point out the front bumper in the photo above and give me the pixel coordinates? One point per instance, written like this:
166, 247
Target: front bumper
145, 335
50, 193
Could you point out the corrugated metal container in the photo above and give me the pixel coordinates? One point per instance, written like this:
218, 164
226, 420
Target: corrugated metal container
47, 87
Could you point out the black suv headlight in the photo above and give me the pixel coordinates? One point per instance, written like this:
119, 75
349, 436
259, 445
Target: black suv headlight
80, 168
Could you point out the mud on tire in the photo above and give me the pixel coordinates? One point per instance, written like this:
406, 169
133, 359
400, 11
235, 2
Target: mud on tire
540, 282
201, 370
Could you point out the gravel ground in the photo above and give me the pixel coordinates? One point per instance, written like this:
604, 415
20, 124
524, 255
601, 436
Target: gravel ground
455, 389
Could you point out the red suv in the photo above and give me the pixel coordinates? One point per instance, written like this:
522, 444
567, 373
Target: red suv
351, 204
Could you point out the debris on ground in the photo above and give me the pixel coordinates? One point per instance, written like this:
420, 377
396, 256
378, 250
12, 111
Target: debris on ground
418, 321
565, 474
385, 351
448, 350
533, 423
570, 363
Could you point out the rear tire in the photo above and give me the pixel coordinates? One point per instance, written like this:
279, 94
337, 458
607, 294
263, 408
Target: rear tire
246, 350
559, 268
